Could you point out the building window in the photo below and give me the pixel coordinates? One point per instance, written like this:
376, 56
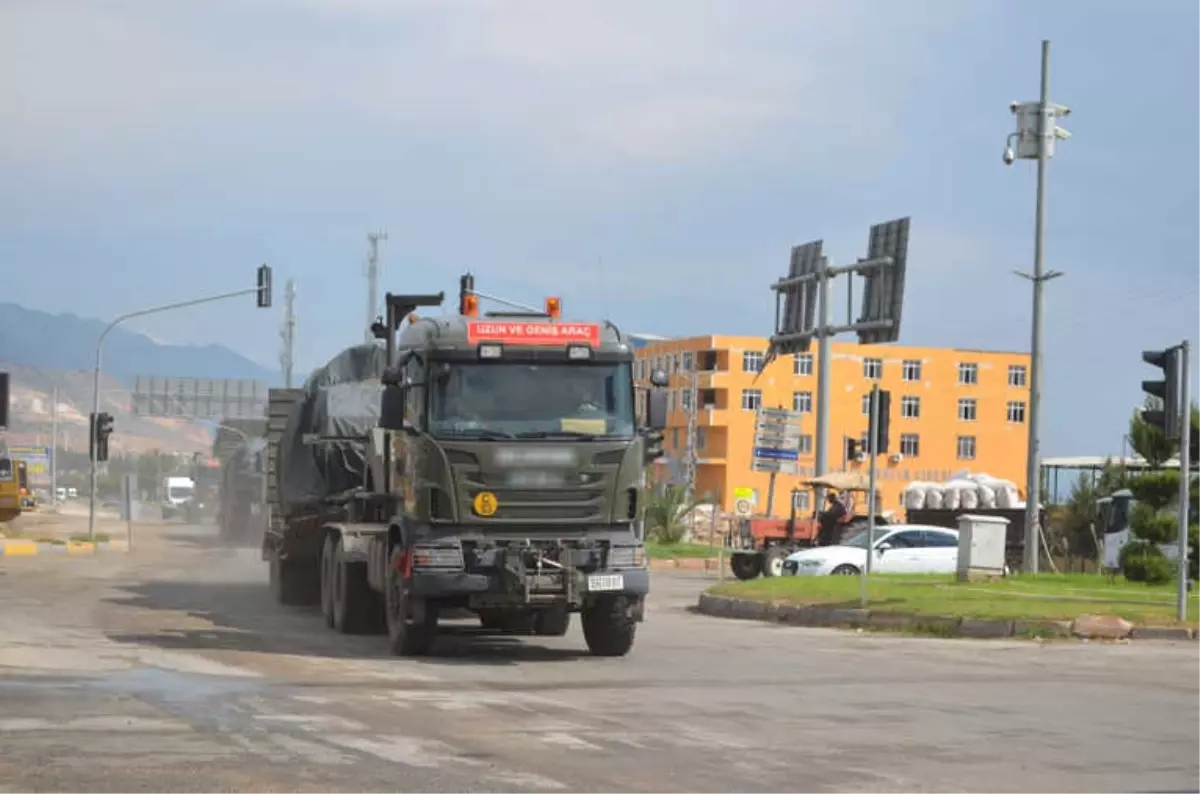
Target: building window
685, 399
866, 404
802, 402
806, 444
802, 364
910, 407
911, 371
966, 447
968, 374
1016, 412
751, 399
800, 501
701, 438
675, 438
910, 445
873, 368
688, 362
966, 409
1016, 376
752, 361
670, 400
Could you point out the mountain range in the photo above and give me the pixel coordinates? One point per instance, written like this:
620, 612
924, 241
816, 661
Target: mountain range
43, 352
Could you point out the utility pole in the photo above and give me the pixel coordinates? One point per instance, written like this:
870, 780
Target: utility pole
1185, 478
1035, 135
287, 355
54, 446
372, 272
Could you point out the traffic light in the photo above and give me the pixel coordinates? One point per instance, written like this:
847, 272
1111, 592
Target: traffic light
101, 429
466, 291
1167, 390
851, 449
883, 414
263, 296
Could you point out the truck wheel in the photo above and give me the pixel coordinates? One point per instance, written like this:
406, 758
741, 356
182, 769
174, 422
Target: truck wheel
745, 566
354, 604
608, 626
772, 562
405, 638
328, 580
552, 622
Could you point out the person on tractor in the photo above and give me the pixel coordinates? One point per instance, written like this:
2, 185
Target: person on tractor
830, 521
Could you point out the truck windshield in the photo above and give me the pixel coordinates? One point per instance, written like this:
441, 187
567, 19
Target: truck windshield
176, 493
511, 400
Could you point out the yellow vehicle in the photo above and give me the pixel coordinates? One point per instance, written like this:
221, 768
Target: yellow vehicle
11, 473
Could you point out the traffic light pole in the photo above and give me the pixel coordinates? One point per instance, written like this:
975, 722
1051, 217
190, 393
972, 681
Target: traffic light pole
96, 381
1185, 478
872, 451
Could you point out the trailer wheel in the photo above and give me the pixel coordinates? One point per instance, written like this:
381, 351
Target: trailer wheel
772, 564
292, 583
552, 622
328, 579
405, 637
608, 625
354, 605
745, 566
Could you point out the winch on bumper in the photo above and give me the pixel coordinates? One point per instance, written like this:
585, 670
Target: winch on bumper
527, 573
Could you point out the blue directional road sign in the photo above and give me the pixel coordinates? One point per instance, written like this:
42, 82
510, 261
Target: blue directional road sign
777, 441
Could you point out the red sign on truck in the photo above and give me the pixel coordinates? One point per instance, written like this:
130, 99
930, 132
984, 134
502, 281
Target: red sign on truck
525, 333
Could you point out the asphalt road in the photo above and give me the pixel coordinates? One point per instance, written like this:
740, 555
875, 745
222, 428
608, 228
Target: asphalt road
170, 669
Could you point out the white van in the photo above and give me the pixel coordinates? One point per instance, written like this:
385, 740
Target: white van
177, 492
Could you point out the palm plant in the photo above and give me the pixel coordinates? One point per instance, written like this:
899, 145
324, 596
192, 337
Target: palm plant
665, 508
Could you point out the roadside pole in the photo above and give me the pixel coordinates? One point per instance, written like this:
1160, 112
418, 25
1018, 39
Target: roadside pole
263, 291
872, 443
1185, 479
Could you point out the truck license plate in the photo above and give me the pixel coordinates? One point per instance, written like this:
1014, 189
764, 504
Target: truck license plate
603, 581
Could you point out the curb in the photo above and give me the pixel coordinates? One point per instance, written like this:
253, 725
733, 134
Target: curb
684, 564
817, 615
19, 547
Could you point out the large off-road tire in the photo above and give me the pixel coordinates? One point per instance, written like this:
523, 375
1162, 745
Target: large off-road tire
552, 622
328, 579
405, 637
608, 626
772, 561
746, 566
293, 583
355, 606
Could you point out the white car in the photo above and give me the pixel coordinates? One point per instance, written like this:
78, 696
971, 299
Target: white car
899, 548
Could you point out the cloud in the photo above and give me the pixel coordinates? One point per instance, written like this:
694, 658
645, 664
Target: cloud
623, 82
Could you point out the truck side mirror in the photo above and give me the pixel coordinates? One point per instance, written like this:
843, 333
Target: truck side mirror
659, 379
391, 407
656, 409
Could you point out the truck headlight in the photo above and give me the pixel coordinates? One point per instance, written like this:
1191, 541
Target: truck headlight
627, 556
445, 556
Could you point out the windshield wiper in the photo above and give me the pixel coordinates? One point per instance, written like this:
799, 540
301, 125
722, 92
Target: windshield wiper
563, 434
480, 432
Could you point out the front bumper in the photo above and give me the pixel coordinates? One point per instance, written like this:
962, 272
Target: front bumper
582, 586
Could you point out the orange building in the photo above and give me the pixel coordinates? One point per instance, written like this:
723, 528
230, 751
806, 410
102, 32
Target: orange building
952, 410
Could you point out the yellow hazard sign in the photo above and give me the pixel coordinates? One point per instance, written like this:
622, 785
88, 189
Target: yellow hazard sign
485, 503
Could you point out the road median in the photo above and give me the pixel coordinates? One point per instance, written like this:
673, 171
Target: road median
1047, 607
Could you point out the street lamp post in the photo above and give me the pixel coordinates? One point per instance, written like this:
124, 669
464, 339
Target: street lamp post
1036, 132
263, 291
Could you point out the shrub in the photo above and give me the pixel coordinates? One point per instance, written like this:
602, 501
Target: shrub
1156, 489
1151, 525
1142, 561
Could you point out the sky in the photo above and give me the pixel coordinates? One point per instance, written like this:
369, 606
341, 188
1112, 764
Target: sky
649, 162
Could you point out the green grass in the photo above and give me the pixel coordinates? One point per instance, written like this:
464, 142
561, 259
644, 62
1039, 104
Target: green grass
666, 551
1044, 597
101, 537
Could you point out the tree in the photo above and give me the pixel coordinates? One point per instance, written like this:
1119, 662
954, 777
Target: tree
665, 507
1147, 440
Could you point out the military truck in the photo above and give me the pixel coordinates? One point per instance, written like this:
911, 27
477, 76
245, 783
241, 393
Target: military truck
242, 510
489, 464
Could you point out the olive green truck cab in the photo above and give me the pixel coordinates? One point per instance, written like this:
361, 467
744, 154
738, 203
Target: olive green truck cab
492, 464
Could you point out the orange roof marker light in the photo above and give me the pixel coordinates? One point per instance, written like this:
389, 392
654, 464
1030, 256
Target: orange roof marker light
470, 305
554, 308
